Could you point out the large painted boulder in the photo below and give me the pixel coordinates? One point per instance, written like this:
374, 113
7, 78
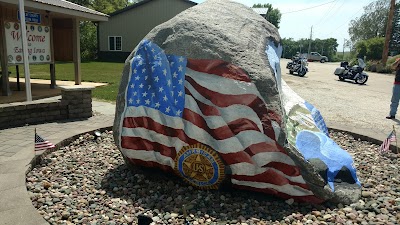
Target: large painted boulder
201, 96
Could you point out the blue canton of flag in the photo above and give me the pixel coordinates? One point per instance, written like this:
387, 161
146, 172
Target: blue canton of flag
157, 80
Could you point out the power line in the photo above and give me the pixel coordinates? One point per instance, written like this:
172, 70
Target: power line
308, 8
326, 13
333, 13
347, 21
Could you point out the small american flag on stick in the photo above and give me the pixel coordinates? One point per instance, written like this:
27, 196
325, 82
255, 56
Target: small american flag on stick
386, 143
41, 144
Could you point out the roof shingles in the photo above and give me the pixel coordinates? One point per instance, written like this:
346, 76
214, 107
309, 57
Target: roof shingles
69, 5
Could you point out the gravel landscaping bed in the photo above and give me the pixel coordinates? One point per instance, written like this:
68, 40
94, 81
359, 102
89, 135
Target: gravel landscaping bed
88, 182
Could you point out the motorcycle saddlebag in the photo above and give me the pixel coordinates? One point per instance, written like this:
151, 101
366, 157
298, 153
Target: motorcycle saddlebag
339, 70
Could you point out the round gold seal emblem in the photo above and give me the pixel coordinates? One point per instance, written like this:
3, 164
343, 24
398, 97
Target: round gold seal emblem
200, 166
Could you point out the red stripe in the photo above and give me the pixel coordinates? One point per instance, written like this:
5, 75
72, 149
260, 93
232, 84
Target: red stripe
207, 110
136, 143
225, 100
252, 150
150, 124
264, 147
284, 168
309, 198
218, 67
151, 165
44, 145
228, 158
221, 133
239, 157
270, 177
250, 100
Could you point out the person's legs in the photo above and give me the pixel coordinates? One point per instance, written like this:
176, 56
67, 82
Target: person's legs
395, 100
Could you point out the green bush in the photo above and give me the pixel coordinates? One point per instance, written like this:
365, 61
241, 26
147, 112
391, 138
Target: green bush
375, 47
392, 59
383, 69
376, 66
371, 48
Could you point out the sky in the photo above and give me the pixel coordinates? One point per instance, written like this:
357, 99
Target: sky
328, 18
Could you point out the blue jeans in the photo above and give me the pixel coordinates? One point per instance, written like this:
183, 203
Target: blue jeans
395, 100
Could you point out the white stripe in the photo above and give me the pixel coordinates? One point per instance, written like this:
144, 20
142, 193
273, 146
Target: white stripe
233, 144
277, 128
228, 114
247, 169
260, 158
223, 85
154, 137
290, 98
148, 156
45, 144
230, 145
156, 115
42, 148
288, 189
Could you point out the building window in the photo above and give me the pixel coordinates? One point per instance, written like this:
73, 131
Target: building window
115, 43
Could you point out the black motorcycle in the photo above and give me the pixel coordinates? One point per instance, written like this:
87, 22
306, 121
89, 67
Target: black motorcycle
297, 65
355, 72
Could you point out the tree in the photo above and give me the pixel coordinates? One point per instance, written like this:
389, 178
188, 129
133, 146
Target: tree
394, 46
371, 48
88, 32
372, 23
326, 47
273, 15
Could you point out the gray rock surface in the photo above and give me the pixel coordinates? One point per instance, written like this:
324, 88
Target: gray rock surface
226, 30
217, 30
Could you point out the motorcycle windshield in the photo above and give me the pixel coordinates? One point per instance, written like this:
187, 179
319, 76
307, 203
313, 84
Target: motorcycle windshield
361, 63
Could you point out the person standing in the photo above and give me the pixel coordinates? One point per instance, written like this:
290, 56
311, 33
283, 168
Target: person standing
396, 90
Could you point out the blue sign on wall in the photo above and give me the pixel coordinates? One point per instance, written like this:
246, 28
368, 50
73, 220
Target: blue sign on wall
31, 17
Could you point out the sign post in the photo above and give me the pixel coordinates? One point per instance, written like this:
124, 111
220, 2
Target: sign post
25, 52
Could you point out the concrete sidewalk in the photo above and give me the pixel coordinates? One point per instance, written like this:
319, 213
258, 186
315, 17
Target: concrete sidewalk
17, 153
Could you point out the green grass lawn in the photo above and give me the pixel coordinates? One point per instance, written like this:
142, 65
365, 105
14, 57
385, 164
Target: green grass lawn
103, 72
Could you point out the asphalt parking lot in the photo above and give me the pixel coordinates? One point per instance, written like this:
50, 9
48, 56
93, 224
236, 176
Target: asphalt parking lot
343, 104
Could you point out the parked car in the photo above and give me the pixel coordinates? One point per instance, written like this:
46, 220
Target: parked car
315, 56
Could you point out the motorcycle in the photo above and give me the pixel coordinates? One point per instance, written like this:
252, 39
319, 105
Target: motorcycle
355, 72
298, 65
289, 65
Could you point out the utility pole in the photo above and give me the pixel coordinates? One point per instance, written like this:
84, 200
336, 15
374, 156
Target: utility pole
344, 42
309, 44
388, 33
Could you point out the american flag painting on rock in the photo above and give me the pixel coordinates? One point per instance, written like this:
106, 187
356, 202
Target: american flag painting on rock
202, 96
173, 102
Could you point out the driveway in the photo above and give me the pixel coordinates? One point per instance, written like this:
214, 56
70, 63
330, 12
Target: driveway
343, 104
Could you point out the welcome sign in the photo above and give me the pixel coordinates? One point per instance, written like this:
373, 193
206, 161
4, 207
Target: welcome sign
38, 37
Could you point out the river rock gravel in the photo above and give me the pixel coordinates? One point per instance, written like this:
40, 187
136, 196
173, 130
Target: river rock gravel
88, 182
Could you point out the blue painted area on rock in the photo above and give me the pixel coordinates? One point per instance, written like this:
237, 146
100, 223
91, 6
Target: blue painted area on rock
274, 53
317, 117
318, 145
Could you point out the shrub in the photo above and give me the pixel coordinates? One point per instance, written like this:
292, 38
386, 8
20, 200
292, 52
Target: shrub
392, 59
383, 69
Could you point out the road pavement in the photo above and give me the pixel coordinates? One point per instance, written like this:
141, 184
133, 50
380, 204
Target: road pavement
343, 104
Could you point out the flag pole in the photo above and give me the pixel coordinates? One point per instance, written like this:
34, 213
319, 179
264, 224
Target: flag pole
25, 51
397, 149
34, 143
